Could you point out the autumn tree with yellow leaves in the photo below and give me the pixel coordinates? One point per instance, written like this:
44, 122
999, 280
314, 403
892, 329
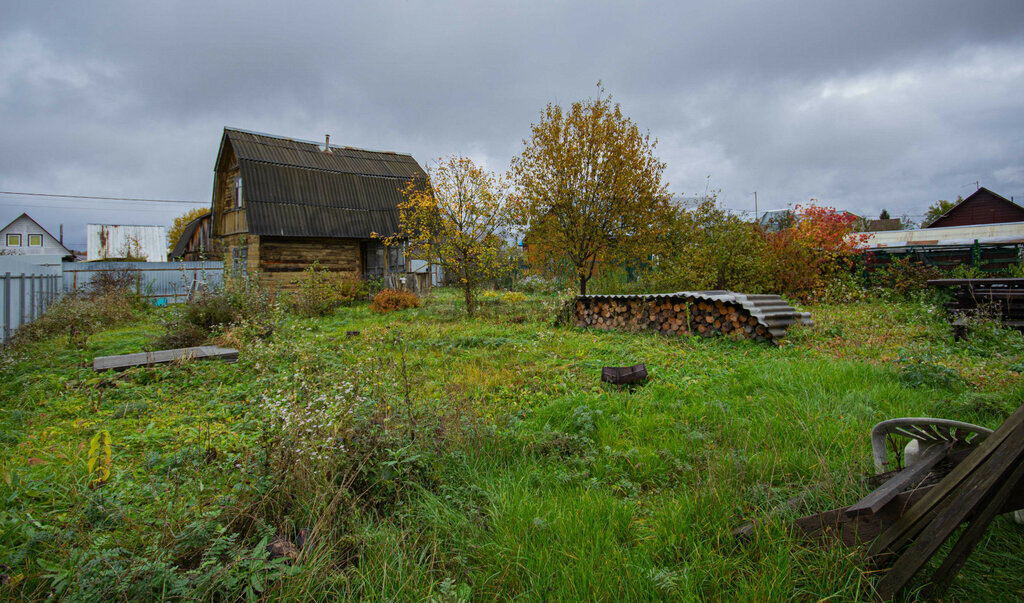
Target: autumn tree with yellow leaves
179, 224
591, 186
462, 217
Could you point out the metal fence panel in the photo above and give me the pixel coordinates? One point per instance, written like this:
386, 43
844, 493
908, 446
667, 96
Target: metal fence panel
29, 284
27, 287
170, 281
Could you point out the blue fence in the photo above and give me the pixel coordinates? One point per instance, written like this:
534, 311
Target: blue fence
170, 281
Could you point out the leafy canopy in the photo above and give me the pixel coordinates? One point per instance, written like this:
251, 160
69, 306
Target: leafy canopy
179, 224
938, 208
462, 218
591, 185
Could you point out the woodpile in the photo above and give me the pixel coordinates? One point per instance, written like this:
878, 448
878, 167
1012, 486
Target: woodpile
672, 316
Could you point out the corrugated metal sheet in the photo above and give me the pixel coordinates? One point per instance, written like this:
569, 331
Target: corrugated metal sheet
771, 310
118, 241
181, 246
1010, 232
293, 188
154, 280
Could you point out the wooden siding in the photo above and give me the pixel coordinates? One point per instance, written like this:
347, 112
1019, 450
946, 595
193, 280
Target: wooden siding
282, 259
227, 218
983, 207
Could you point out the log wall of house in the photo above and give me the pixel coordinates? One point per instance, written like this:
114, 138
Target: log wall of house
281, 260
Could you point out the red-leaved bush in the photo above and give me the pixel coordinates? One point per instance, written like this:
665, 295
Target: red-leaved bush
804, 256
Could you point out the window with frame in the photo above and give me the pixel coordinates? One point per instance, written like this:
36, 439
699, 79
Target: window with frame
35, 240
14, 240
373, 259
238, 192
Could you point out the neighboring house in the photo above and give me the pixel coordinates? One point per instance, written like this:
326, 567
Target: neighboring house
126, 242
194, 242
884, 224
982, 207
775, 220
24, 236
281, 204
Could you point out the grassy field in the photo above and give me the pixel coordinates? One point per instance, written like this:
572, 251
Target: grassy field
435, 457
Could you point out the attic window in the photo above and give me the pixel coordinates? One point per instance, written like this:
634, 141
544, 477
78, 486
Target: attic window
238, 192
14, 240
35, 240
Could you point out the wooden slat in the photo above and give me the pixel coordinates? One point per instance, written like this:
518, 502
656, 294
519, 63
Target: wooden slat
956, 506
906, 478
912, 522
972, 535
125, 361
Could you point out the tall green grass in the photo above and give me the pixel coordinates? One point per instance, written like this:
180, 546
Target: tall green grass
492, 463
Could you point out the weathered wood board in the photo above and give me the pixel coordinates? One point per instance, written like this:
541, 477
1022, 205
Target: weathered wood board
126, 361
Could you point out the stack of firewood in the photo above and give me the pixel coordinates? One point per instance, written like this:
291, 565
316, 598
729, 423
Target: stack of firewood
670, 316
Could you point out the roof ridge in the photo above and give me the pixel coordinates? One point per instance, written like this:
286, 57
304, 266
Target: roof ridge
315, 143
325, 170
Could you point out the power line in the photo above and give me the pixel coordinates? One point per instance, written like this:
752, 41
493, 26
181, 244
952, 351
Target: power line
104, 198
35, 206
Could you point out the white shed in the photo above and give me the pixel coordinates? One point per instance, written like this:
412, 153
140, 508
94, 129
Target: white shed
24, 236
120, 241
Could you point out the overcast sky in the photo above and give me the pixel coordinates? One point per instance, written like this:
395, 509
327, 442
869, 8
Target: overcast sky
862, 106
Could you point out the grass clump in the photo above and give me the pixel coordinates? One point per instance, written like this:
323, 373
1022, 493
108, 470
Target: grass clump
242, 303
389, 300
77, 316
321, 292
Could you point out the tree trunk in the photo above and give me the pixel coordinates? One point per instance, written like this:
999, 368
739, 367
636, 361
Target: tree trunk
467, 290
583, 284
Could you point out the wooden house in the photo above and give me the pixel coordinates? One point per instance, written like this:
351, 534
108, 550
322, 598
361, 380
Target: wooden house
982, 207
194, 242
281, 204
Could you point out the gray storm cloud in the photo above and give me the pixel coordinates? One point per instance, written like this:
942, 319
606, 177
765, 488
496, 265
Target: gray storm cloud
863, 106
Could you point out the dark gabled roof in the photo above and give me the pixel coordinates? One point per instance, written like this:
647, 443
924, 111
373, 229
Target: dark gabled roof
981, 207
186, 235
293, 188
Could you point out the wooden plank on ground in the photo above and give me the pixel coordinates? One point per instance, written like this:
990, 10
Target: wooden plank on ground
853, 530
911, 523
956, 506
972, 535
126, 361
908, 477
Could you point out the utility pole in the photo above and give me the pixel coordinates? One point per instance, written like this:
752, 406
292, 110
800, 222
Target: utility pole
756, 219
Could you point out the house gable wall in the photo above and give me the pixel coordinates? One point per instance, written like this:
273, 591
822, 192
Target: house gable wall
24, 226
983, 207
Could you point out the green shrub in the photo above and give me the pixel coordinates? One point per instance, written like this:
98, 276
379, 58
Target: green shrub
320, 291
78, 316
393, 299
923, 371
903, 277
192, 323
